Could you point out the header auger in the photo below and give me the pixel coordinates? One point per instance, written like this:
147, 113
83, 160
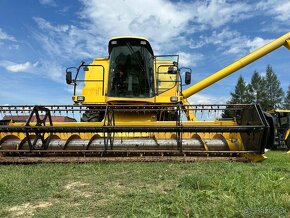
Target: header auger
133, 107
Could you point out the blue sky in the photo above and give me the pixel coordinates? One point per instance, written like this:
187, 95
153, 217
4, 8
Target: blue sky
40, 38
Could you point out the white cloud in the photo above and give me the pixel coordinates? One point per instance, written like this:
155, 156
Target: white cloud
165, 23
45, 25
47, 2
279, 8
230, 42
159, 20
63, 44
217, 13
282, 11
257, 42
188, 59
243, 45
207, 99
67, 42
15, 67
216, 38
5, 36
45, 68
13, 47
162, 22
52, 70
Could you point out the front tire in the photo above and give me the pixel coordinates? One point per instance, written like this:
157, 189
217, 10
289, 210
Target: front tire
92, 116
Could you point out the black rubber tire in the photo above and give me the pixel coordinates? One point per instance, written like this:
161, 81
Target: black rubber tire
90, 117
270, 144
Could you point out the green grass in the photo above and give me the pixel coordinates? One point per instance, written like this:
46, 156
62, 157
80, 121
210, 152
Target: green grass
199, 189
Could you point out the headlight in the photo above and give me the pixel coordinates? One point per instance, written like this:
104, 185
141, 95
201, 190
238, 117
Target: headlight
80, 98
173, 98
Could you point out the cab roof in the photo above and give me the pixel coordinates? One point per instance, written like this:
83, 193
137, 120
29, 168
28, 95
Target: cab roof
133, 40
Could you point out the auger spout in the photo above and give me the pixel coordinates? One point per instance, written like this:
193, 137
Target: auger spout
244, 61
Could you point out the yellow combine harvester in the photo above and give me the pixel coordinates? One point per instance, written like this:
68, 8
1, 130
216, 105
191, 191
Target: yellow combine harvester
133, 107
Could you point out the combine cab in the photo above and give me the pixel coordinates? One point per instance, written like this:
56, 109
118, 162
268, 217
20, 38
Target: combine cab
133, 107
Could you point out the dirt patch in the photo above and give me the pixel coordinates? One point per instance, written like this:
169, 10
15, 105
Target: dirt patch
84, 194
28, 209
161, 187
75, 187
117, 185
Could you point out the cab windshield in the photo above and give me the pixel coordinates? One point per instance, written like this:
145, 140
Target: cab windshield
131, 72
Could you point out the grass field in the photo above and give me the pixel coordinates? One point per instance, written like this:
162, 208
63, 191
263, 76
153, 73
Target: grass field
199, 189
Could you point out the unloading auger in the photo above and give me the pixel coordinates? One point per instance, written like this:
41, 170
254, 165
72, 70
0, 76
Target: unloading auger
133, 107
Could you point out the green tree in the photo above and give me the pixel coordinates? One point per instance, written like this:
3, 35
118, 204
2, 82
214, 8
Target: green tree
241, 95
287, 99
275, 93
257, 90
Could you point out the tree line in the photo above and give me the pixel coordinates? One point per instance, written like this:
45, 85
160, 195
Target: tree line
264, 90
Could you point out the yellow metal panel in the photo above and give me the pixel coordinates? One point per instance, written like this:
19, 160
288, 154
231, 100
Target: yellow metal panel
163, 98
255, 157
287, 135
167, 84
94, 91
136, 101
287, 44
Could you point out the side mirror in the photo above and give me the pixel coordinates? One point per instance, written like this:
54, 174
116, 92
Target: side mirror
68, 77
187, 78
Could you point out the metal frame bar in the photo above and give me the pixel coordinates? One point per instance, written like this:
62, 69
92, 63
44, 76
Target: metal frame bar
109, 128
86, 129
